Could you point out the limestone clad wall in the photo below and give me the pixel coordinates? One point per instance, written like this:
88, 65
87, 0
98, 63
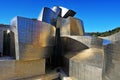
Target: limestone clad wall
12, 69
87, 65
112, 61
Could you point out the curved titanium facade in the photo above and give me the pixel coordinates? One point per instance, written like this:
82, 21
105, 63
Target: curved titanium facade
51, 15
57, 10
32, 37
67, 12
48, 16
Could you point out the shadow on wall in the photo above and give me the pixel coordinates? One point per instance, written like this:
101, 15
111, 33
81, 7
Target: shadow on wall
70, 48
112, 60
71, 45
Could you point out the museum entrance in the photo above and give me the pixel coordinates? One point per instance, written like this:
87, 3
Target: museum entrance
8, 44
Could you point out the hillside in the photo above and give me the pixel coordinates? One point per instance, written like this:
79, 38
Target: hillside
107, 33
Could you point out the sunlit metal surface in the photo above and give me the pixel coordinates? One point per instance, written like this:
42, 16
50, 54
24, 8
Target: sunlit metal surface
57, 10
67, 12
70, 26
33, 39
48, 16
39, 46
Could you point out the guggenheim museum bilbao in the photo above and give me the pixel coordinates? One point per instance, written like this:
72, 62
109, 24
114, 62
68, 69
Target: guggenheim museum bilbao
55, 47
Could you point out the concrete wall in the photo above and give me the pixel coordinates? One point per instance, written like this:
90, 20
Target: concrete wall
12, 69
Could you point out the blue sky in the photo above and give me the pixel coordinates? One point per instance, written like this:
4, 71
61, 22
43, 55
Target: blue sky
97, 15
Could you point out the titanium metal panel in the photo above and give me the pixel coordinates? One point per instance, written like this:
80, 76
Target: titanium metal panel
76, 27
14, 29
57, 10
35, 38
70, 26
69, 13
25, 30
48, 16
65, 13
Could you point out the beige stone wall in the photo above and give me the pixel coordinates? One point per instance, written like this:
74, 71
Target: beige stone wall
30, 68
12, 69
87, 65
80, 71
112, 70
7, 69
